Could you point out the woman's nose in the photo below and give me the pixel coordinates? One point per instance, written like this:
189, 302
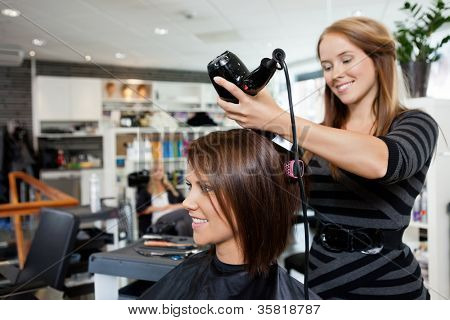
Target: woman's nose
338, 71
189, 204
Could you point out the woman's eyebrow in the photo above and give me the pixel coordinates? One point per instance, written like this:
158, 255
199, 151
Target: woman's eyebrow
199, 182
340, 54
345, 52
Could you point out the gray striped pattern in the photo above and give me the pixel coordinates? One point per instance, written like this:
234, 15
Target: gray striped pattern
384, 203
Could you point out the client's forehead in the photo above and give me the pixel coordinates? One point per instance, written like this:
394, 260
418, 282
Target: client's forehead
194, 174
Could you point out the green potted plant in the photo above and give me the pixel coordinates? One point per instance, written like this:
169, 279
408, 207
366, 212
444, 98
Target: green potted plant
414, 50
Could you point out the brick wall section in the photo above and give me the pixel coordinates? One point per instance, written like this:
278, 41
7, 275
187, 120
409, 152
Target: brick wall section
15, 82
64, 69
15, 94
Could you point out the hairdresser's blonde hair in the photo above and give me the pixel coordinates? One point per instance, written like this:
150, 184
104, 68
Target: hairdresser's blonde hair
375, 40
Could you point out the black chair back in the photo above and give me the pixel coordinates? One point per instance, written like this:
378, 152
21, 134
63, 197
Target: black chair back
49, 254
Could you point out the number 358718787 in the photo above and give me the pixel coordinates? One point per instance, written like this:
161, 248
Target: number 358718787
288, 309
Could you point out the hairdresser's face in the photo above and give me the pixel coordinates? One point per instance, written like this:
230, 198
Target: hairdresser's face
348, 71
209, 224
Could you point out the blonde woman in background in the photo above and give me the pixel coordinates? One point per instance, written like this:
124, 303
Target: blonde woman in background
159, 206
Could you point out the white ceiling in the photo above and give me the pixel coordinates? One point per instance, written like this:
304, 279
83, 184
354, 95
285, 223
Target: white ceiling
251, 29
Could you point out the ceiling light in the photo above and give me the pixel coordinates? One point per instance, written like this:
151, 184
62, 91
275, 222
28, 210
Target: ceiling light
87, 58
161, 31
120, 55
10, 13
357, 13
32, 53
38, 42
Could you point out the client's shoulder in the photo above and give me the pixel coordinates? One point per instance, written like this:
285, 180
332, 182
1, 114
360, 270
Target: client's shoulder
290, 288
202, 256
195, 261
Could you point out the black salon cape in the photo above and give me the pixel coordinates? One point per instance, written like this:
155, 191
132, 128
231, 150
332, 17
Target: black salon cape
203, 276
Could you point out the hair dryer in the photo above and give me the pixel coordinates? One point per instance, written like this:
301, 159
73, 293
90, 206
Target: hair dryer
231, 68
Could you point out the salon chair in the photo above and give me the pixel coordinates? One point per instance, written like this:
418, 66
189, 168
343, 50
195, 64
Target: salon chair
48, 257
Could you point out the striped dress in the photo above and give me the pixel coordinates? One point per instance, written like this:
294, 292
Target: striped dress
384, 203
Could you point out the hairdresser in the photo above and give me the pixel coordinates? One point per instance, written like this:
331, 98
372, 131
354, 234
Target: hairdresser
367, 162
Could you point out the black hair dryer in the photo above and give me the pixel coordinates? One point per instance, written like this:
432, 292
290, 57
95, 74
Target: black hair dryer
231, 68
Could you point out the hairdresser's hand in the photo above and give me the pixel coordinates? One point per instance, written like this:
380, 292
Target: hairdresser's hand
254, 112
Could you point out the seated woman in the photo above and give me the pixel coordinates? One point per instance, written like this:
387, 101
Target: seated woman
242, 204
159, 206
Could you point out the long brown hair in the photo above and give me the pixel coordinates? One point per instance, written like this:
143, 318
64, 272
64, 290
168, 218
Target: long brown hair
257, 199
375, 40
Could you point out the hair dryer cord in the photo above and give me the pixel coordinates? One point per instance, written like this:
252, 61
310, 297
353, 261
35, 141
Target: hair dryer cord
279, 56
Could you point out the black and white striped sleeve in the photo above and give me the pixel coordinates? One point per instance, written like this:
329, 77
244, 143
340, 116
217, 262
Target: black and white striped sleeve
411, 143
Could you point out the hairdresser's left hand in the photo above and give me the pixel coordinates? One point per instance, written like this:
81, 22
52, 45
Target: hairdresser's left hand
254, 112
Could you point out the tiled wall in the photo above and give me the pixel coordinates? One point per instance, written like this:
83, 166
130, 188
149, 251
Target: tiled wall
15, 94
15, 82
90, 70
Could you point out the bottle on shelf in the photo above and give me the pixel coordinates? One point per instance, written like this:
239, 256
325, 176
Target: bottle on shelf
147, 150
130, 152
180, 146
60, 159
156, 150
135, 147
176, 154
185, 147
94, 193
168, 150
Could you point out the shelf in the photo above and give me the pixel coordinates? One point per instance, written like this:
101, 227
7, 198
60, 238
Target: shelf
127, 101
179, 159
418, 224
47, 170
128, 109
211, 110
161, 109
193, 101
69, 135
146, 130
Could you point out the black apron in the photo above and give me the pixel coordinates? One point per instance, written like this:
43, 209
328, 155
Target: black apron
203, 276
